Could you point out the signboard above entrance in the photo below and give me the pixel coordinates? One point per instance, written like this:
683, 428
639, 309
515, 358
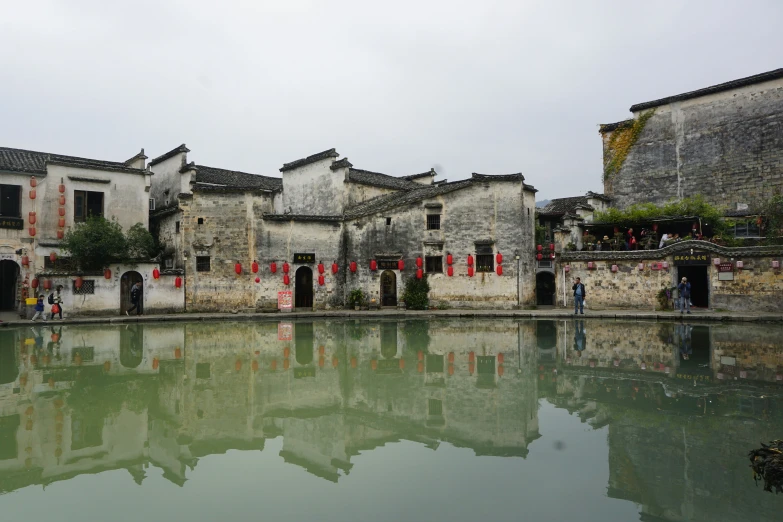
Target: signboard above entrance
387, 264
13, 223
694, 257
304, 258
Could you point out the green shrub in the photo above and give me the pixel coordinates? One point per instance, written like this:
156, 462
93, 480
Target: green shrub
355, 298
416, 294
96, 243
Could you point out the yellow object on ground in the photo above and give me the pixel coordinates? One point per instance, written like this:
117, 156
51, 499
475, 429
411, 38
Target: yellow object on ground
31, 300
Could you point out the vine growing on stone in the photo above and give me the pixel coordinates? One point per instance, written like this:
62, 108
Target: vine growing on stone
622, 141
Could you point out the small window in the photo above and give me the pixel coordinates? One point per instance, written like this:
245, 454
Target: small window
434, 264
433, 221
168, 262
747, 229
388, 221
202, 370
202, 263
176, 227
60, 263
434, 363
435, 407
485, 263
200, 221
87, 288
87, 204
11, 200
152, 203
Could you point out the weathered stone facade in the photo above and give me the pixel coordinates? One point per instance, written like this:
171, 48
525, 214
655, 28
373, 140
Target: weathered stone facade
723, 142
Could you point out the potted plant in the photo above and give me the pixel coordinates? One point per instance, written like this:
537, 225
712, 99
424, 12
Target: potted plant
355, 299
589, 241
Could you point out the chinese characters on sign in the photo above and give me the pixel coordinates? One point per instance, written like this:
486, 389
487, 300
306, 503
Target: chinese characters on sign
692, 258
725, 267
14, 223
304, 372
304, 258
387, 264
285, 331
285, 301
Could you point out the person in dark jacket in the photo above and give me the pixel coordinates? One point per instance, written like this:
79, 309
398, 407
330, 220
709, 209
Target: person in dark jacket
685, 294
136, 299
579, 297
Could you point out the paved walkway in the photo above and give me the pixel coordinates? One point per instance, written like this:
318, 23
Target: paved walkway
554, 313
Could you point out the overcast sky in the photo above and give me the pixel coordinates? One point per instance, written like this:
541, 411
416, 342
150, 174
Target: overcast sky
398, 87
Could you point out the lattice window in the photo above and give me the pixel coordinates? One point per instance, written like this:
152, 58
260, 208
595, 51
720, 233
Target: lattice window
434, 264
485, 258
88, 287
202, 264
433, 221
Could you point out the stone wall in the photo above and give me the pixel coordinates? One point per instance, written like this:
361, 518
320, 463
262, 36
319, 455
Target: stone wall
726, 146
314, 189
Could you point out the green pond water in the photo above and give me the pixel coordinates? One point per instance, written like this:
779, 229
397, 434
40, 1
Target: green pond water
388, 420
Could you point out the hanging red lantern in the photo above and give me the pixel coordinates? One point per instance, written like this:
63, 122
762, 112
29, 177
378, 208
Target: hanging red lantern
33, 182
178, 282
655, 227
53, 256
62, 200
539, 248
47, 284
31, 217
450, 271
419, 273
286, 268
178, 353
449, 259
61, 188
335, 361
401, 265
499, 270
286, 280
254, 267
420, 367
402, 364
419, 262
374, 364
25, 260
470, 260
155, 273
373, 265
60, 234
238, 365
321, 268
238, 268
61, 211
470, 271
77, 283
273, 267
254, 366
501, 371
321, 361
499, 258
334, 267
32, 194
471, 356
31, 230
451, 370
354, 362
539, 256
420, 355
501, 358
258, 279
552, 247
155, 363
451, 357
353, 266
321, 280
61, 222
471, 368
107, 273
286, 352
286, 364
34, 283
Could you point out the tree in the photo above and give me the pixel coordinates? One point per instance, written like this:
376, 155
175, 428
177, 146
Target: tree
96, 243
416, 294
141, 244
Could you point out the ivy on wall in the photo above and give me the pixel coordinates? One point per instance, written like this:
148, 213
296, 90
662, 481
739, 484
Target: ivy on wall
623, 138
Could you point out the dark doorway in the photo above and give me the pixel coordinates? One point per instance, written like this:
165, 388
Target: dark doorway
303, 288
127, 280
545, 288
388, 340
9, 273
131, 346
546, 335
697, 276
303, 342
388, 288
9, 369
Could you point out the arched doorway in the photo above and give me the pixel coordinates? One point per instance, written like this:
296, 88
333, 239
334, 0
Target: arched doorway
9, 275
131, 346
127, 281
304, 340
545, 289
388, 288
303, 288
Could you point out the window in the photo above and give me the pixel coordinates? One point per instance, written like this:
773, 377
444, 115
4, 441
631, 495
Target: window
88, 287
434, 264
86, 204
152, 203
485, 258
435, 407
747, 229
60, 263
202, 370
11, 200
200, 221
176, 227
168, 262
434, 363
202, 263
388, 221
433, 221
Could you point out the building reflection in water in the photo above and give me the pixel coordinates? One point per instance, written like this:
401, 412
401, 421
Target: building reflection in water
679, 401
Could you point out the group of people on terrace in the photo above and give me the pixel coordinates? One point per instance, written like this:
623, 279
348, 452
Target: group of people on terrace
645, 239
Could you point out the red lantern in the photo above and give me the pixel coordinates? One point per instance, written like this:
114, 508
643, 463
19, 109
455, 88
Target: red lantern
238, 268
552, 255
32, 194
353, 266
25, 260
470, 260
321, 280
451, 357
238, 365
286, 364
178, 353
34, 283
77, 283
539, 248
374, 364
470, 271
107, 273
53, 256
254, 366
31, 230
471, 356
286, 268
47, 284
335, 361
402, 364
373, 265
354, 362
61, 211
419, 262
499, 270
401, 265
321, 268
451, 369
62, 188
178, 282
420, 355
155, 363
321, 361
450, 271
420, 367
33, 182
155, 273
449, 259
286, 280
655, 226
31, 217
501, 371
60, 234
62, 200
499, 258
254, 267
61, 222
419, 273
258, 279
273, 267
501, 358
551, 246
286, 352
539, 256
334, 268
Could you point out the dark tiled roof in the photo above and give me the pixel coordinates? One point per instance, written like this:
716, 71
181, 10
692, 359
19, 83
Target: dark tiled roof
234, 179
140, 155
591, 194
609, 127
366, 177
429, 173
341, 164
734, 84
740, 213
170, 154
381, 203
331, 153
302, 217
562, 206
19, 160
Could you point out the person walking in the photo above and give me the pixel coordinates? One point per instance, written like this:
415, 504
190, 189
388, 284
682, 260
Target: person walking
39, 309
580, 340
684, 289
136, 299
57, 302
579, 297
